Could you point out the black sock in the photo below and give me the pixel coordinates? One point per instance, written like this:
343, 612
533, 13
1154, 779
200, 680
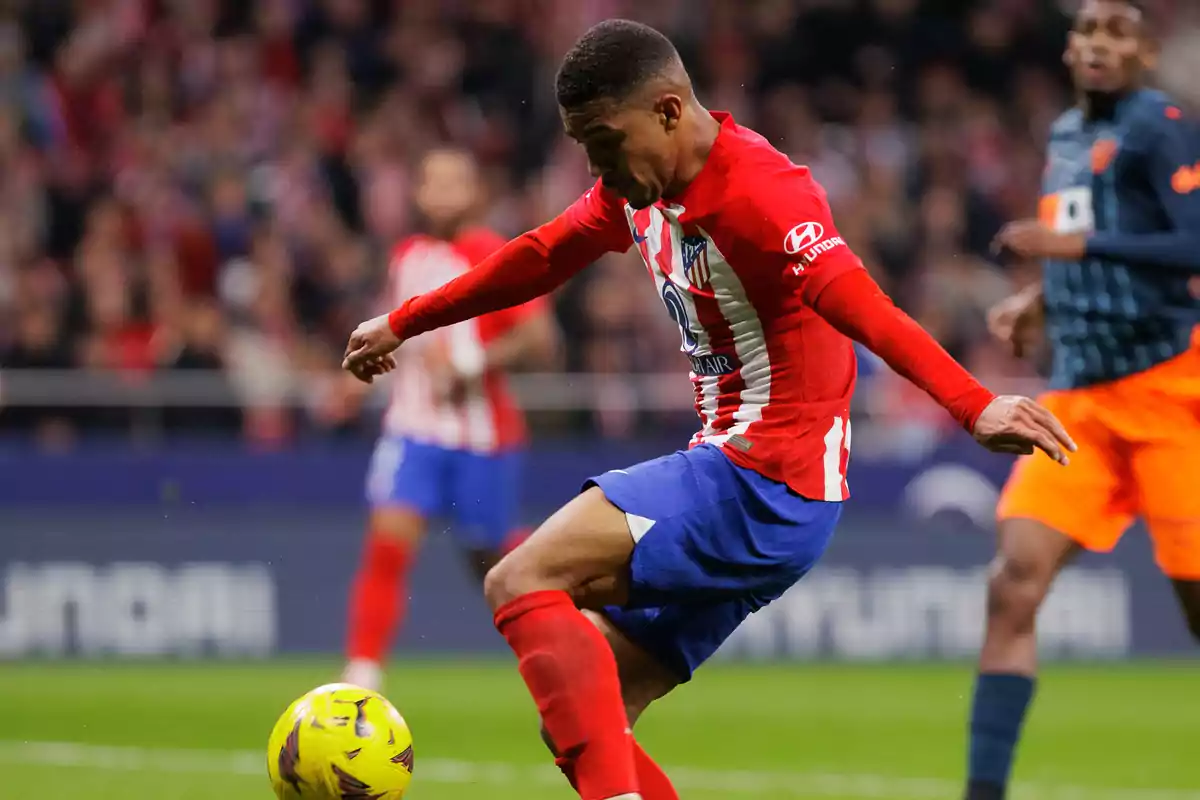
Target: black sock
997, 714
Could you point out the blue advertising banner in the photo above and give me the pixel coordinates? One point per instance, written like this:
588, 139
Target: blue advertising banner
324, 475
209, 551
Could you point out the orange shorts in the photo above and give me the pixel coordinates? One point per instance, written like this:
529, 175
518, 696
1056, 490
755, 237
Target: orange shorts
1139, 456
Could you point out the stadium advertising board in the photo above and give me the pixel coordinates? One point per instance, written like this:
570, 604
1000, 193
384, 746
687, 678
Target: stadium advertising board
213, 553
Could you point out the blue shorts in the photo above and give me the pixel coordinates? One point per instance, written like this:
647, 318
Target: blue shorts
713, 543
477, 493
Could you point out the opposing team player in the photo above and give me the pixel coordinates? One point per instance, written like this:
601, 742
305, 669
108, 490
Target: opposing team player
669, 556
453, 436
1120, 237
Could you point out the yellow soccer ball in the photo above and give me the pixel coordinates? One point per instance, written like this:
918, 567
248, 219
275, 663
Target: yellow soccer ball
339, 742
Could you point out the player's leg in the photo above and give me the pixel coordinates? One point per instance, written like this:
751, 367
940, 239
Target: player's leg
685, 635
1167, 478
733, 546
710, 567
1167, 469
643, 680
566, 662
1046, 514
1030, 555
403, 489
378, 598
485, 496
712, 543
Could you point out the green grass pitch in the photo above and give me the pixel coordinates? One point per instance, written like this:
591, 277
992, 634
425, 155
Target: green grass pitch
99, 730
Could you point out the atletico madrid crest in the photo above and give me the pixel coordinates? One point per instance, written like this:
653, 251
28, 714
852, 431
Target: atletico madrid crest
695, 260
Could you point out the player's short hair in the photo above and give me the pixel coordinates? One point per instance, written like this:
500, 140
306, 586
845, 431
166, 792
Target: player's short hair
611, 61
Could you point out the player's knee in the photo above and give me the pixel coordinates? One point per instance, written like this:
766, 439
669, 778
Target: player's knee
513, 576
584, 549
1016, 589
399, 524
496, 589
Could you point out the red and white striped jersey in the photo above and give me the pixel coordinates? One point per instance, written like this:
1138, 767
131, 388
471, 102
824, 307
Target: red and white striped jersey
738, 259
488, 420
766, 294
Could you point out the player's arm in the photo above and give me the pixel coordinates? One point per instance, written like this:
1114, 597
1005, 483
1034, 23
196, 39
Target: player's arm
855, 305
1171, 159
532, 265
524, 269
834, 283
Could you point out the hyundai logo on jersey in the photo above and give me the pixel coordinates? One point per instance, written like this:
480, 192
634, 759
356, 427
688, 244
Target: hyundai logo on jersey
803, 236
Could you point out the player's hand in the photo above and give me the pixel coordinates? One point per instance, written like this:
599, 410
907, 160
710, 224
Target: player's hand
1018, 320
369, 351
1018, 425
1029, 238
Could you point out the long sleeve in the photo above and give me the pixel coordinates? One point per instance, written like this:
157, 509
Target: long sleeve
524, 269
1176, 250
817, 263
1171, 158
855, 305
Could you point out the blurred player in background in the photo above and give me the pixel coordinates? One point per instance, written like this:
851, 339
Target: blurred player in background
1119, 235
669, 556
453, 435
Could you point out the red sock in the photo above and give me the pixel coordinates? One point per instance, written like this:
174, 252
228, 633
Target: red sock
652, 781
572, 675
378, 597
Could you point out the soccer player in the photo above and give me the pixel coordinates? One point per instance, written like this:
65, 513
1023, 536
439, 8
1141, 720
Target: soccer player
1119, 233
453, 435
666, 558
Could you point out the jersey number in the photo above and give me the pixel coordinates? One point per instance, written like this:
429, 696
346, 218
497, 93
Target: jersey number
1068, 211
678, 311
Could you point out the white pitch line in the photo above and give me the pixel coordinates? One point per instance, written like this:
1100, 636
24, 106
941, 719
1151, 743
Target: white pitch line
450, 771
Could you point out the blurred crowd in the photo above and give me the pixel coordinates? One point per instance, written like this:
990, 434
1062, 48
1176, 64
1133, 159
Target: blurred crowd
214, 184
